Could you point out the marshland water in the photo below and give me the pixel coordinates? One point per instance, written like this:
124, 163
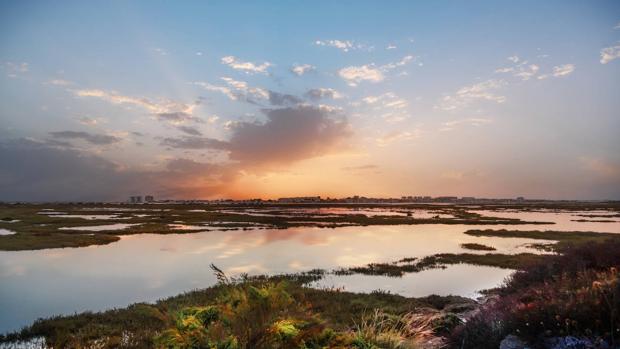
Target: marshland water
146, 267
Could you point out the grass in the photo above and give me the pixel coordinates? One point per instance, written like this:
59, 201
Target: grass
575, 293
477, 247
563, 239
248, 311
38, 231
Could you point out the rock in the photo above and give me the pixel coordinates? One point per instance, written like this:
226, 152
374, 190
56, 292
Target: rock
512, 342
570, 342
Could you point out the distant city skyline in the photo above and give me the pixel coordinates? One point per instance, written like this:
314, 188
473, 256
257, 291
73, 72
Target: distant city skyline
207, 100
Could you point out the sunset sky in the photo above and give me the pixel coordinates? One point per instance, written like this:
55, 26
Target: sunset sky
102, 100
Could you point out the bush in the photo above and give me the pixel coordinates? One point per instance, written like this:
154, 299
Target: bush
575, 294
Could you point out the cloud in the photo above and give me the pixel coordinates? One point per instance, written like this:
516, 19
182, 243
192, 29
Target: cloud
394, 136
608, 54
288, 135
343, 45
237, 90
526, 72
388, 106
484, 90
301, 69
356, 74
360, 168
513, 59
59, 82
85, 120
190, 130
193, 142
14, 69
163, 109
92, 138
221, 89
316, 94
40, 172
404, 61
563, 70
370, 72
282, 99
247, 67
391, 47
451, 125
177, 117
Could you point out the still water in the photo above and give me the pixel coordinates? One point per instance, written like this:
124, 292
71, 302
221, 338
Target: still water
148, 267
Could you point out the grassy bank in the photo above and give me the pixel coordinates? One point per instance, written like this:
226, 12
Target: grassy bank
261, 306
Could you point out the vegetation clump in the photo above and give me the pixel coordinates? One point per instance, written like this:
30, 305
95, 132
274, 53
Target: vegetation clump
267, 316
477, 247
574, 294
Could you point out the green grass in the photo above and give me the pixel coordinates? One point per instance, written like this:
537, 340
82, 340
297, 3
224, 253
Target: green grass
138, 325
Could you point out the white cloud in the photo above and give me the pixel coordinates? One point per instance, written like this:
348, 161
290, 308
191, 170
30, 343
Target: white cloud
236, 90
165, 109
480, 91
392, 137
563, 70
242, 87
221, 89
608, 54
160, 51
391, 47
527, 72
14, 69
247, 67
344, 45
370, 72
617, 26
404, 61
356, 74
451, 125
59, 82
301, 69
388, 100
513, 59
388, 106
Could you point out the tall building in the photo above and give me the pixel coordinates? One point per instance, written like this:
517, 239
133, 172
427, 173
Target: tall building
135, 199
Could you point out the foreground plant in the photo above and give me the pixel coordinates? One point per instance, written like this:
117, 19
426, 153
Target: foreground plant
265, 315
576, 294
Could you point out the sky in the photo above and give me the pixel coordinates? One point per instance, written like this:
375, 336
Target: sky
228, 99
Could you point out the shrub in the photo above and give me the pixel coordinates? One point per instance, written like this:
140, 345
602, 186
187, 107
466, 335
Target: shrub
576, 294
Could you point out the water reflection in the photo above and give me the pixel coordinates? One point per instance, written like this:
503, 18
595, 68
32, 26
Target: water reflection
148, 267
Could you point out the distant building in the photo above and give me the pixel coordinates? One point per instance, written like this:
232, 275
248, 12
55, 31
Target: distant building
149, 198
300, 199
135, 199
446, 199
